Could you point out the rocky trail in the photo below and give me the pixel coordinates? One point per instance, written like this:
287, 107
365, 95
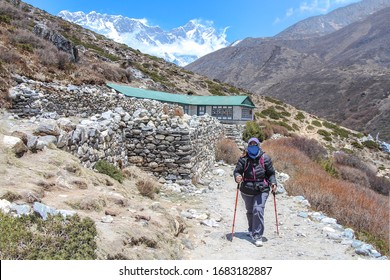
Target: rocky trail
303, 233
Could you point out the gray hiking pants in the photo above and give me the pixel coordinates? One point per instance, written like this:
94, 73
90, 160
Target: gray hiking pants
255, 205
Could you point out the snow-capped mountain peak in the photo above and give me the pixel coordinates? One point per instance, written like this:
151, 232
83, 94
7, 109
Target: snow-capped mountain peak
181, 45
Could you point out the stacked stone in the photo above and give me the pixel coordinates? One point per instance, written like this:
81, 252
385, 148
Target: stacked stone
130, 131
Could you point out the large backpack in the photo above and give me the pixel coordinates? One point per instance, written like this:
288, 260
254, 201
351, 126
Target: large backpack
252, 186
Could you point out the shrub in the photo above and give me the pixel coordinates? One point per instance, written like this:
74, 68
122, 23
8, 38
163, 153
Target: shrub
109, 169
273, 100
272, 113
147, 187
11, 196
341, 158
378, 184
359, 208
300, 116
357, 145
325, 133
310, 127
353, 175
252, 129
31, 238
371, 144
286, 125
227, 150
310, 147
27, 40
316, 123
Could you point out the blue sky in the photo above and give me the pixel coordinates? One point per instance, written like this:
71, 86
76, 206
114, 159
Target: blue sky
240, 18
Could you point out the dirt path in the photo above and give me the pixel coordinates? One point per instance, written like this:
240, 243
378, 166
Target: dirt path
299, 238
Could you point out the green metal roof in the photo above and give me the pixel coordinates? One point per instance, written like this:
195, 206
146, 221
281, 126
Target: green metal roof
238, 100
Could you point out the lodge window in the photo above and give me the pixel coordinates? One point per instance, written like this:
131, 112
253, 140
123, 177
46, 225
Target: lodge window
246, 113
201, 110
222, 112
186, 109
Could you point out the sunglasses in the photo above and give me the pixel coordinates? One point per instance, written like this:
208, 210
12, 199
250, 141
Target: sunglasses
253, 144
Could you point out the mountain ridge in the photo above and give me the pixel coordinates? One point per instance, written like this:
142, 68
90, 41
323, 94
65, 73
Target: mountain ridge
170, 45
340, 76
324, 24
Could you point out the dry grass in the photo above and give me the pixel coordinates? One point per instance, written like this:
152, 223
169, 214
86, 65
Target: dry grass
359, 208
147, 187
227, 150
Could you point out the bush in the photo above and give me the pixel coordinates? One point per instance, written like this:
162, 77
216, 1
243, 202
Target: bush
57, 238
357, 145
300, 116
147, 187
310, 147
353, 175
325, 133
252, 129
272, 113
227, 150
316, 123
109, 169
10, 196
359, 208
378, 184
371, 144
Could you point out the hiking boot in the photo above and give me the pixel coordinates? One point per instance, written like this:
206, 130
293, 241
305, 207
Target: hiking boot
258, 240
258, 243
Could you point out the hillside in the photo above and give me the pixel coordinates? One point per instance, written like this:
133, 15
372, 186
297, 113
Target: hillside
44, 55
44, 47
342, 77
325, 24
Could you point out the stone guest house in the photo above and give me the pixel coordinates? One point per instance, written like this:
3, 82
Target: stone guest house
227, 109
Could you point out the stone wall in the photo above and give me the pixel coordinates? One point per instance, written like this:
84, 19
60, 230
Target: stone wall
124, 131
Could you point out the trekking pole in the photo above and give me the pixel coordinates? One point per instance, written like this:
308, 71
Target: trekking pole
235, 209
276, 214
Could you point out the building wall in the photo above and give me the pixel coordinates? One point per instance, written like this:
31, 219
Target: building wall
237, 113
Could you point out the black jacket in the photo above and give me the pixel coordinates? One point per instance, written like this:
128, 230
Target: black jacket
256, 179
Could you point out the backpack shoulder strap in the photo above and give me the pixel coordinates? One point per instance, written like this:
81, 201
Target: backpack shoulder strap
261, 160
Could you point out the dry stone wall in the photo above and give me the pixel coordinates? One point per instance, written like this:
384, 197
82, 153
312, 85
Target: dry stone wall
94, 123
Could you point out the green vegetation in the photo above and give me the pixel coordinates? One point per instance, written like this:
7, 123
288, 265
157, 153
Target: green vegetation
325, 133
57, 238
215, 89
272, 113
273, 100
316, 123
109, 169
5, 18
357, 145
300, 116
371, 144
369, 238
337, 130
285, 125
97, 49
252, 129
328, 166
26, 47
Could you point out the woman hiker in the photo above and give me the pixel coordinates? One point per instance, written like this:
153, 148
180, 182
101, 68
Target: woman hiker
256, 174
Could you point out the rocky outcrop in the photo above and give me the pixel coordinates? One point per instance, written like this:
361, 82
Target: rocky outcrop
58, 40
